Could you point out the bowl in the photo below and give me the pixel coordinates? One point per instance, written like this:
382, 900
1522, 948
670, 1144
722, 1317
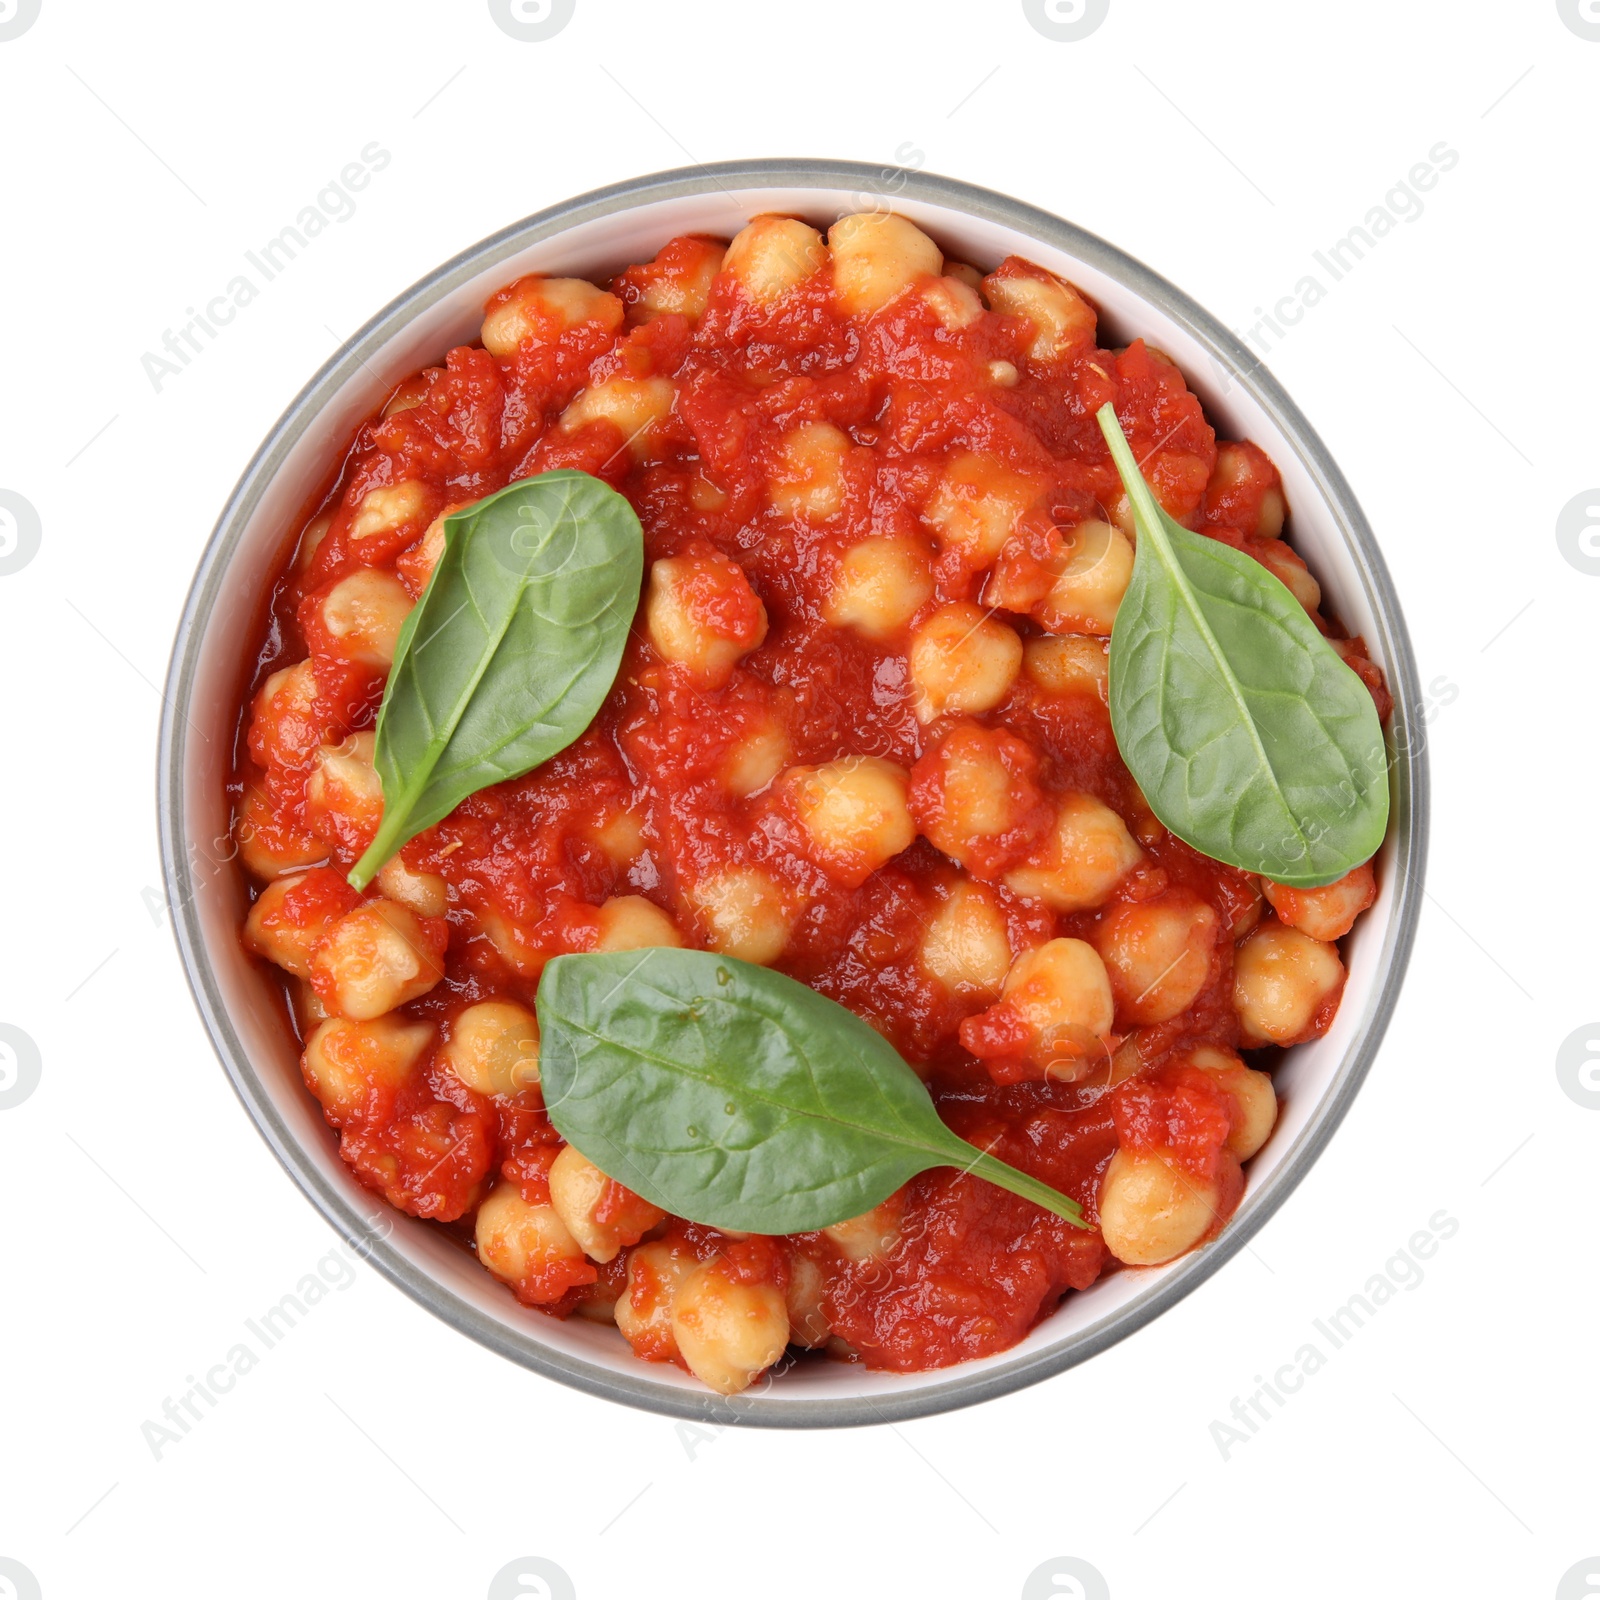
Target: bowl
593, 236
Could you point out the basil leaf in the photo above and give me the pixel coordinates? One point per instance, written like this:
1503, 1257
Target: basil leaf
511, 650
736, 1097
1250, 737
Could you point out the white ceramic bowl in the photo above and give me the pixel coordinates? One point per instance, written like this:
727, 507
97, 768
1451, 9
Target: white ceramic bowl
593, 236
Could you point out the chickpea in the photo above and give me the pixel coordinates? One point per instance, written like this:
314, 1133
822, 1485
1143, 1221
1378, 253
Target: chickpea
1246, 912
416, 562
704, 495
1068, 664
1270, 520
375, 958
702, 615
880, 585
962, 660
809, 479
874, 1234
408, 396
621, 837
966, 946
1157, 954
1327, 913
425, 892
1063, 321
1002, 374
1061, 993
546, 307
284, 725
977, 798
519, 1242
854, 814
974, 786
1290, 571
728, 1332
363, 615
1245, 491
682, 287
311, 541
1094, 575
745, 912
493, 1048
577, 1187
805, 1298
346, 1061
308, 1007
292, 916
384, 510
268, 846
1281, 980
513, 943
1253, 1094
772, 255
344, 795
644, 1310
977, 504
1087, 854
954, 303
597, 1302
635, 407
756, 758
630, 922
1150, 1212
963, 272
876, 257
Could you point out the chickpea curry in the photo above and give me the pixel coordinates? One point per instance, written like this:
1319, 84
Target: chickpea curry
860, 734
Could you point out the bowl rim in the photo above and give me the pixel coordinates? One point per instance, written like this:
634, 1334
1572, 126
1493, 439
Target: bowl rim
971, 1382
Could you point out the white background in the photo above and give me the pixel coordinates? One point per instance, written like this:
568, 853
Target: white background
1446, 1448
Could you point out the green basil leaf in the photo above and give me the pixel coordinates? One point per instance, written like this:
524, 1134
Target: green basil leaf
511, 650
736, 1097
1250, 737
